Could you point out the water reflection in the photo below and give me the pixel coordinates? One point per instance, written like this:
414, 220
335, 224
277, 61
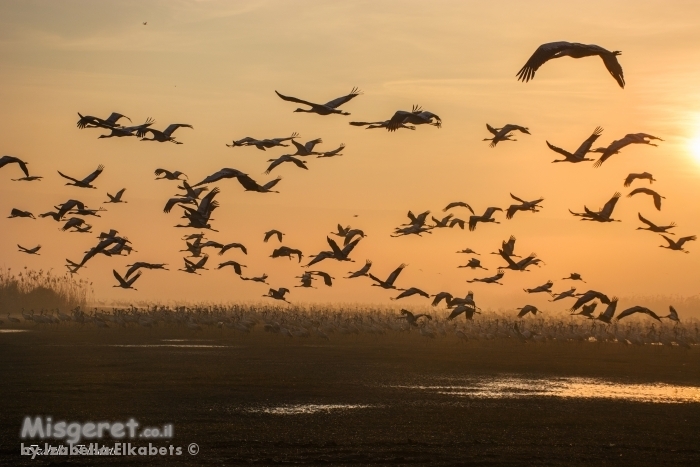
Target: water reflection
197, 346
8, 331
565, 388
306, 409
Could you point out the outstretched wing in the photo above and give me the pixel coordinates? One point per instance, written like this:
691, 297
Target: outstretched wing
171, 128
614, 68
561, 151
335, 103
542, 55
90, 178
294, 99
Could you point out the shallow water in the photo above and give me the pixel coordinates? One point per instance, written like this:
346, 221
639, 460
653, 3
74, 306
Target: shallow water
306, 409
506, 387
198, 346
8, 331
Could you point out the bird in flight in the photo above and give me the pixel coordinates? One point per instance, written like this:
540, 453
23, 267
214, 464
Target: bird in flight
638, 309
278, 294
330, 107
116, 198
523, 206
389, 282
31, 251
491, 279
85, 182
617, 145
4, 160
642, 176
271, 233
651, 227
487, 216
417, 116
88, 121
168, 175
19, 213
125, 284
677, 245
580, 154
384, 124
553, 50
648, 191
528, 309
504, 134
263, 144
601, 216
165, 135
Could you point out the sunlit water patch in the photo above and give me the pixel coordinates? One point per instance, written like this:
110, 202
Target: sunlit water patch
8, 331
565, 388
184, 346
306, 409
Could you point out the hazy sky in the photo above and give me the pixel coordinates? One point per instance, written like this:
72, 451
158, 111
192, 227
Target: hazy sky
216, 65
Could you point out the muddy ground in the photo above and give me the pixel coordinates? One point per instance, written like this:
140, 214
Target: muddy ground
267, 400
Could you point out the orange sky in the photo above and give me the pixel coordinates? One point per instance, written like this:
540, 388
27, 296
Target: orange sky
216, 64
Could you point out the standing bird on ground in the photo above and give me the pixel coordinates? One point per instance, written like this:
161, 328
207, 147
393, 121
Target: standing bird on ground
677, 245
655, 228
648, 191
278, 294
503, 134
167, 175
165, 135
638, 309
601, 216
330, 107
542, 288
271, 233
553, 50
580, 154
524, 206
491, 279
19, 213
528, 309
87, 181
574, 276
31, 251
389, 282
4, 160
363, 271
642, 176
125, 284
485, 217
617, 145
116, 198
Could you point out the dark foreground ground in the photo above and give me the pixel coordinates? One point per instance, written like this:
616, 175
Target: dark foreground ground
220, 398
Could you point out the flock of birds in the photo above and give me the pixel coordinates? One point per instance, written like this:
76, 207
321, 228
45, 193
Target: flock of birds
197, 202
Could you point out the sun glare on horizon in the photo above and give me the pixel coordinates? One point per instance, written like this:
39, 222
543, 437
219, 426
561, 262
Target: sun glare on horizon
694, 146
